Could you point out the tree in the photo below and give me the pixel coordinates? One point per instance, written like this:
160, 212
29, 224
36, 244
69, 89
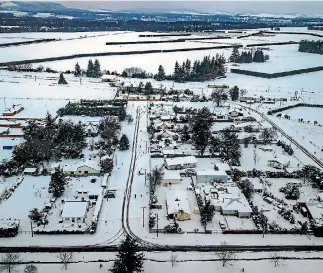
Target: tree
215, 145
106, 165
207, 213
230, 150
10, 262
90, 69
57, 183
235, 55
200, 127
268, 134
185, 135
35, 215
77, 70
247, 188
161, 74
218, 95
62, 79
109, 127
226, 256
263, 222
176, 71
122, 114
30, 268
155, 177
97, 69
129, 260
276, 260
152, 221
234, 93
243, 92
124, 143
140, 87
258, 56
65, 258
148, 88
255, 157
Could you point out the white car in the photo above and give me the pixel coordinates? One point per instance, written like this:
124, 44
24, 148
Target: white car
222, 225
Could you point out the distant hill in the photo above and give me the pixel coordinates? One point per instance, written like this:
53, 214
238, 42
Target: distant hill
32, 6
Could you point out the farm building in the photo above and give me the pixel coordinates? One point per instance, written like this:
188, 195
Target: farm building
171, 177
177, 205
178, 163
74, 211
109, 78
208, 176
232, 201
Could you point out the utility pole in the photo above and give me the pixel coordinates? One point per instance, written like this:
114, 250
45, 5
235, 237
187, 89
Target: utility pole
31, 227
143, 216
157, 224
145, 176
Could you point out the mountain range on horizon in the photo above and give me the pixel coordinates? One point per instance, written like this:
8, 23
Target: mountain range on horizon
285, 9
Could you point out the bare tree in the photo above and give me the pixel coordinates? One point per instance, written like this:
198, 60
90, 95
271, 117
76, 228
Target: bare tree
268, 134
30, 268
65, 258
218, 95
276, 260
10, 262
173, 259
226, 256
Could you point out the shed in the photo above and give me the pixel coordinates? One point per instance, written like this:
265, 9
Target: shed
30, 171
74, 211
207, 176
109, 78
7, 147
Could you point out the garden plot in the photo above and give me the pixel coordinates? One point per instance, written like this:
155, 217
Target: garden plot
31, 193
257, 158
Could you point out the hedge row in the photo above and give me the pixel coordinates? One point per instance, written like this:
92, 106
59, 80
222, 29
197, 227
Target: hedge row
294, 106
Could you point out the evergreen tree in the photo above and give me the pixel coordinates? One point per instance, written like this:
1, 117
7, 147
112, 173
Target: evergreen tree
234, 93
77, 71
176, 71
129, 260
259, 56
185, 136
148, 88
124, 143
200, 127
57, 183
62, 79
122, 114
97, 69
230, 150
106, 165
140, 87
235, 55
90, 69
161, 74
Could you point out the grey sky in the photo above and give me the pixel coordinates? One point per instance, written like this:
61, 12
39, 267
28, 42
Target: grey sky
275, 7
240, 6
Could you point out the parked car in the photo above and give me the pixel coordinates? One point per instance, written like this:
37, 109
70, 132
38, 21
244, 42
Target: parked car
222, 225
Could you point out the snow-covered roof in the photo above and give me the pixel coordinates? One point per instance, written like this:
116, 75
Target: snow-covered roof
210, 172
233, 200
109, 77
104, 181
223, 166
181, 160
168, 151
171, 175
30, 170
316, 211
256, 184
90, 191
176, 201
74, 209
106, 157
73, 167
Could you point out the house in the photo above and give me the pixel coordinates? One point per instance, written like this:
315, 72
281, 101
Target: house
109, 78
178, 163
91, 127
171, 177
30, 171
209, 176
74, 212
164, 125
177, 205
315, 212
79, 168
257, 186
274, 163
220, 166
231, 201
168, 134
166, 117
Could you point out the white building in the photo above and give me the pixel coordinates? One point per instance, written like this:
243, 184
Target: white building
90, 195
207, 176
232, 201
177, 205
79, 168
74, 212
178, 163
222, 167
109, 78
171, 177
30, 171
